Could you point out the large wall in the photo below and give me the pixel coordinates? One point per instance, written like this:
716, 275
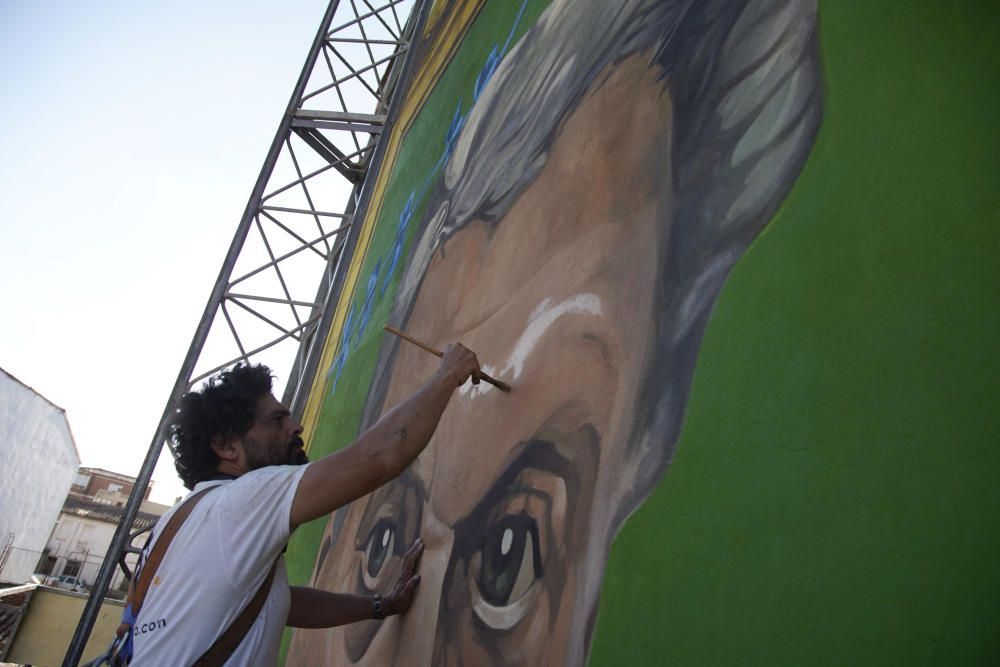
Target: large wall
49, 622
737, 260
38, 460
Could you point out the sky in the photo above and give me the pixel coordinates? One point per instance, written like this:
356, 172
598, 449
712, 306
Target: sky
131, 134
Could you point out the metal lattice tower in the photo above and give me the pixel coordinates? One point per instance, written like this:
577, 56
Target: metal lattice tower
282, 270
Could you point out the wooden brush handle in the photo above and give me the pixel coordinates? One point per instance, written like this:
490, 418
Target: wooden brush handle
499, 384
411, 339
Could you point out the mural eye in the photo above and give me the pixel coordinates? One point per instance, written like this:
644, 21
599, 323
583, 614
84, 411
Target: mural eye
509, 565
378, 550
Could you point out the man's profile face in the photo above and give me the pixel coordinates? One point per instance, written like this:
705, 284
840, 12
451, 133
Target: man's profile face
274, 437
516, 496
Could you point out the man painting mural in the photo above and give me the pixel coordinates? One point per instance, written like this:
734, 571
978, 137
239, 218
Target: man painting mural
616, 166
240, 452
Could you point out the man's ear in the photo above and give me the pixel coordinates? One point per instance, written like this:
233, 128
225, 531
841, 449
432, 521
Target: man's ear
225, 448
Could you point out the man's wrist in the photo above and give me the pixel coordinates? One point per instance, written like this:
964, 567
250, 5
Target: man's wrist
378, 608
447, 380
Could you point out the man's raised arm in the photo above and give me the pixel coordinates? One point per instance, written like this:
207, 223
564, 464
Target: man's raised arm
387, 448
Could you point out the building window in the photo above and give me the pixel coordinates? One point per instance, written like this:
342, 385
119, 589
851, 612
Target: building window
115, 488
72, 568
48, 563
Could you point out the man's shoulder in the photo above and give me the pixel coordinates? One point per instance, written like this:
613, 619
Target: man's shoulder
261, 484
253, 478
269, 474
196, 490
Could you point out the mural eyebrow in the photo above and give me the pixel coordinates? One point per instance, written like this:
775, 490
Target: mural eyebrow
535, 454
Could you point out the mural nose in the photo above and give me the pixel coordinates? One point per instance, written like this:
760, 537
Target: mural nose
419, 627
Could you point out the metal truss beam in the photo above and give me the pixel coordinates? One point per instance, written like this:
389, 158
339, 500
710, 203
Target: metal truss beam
348, 79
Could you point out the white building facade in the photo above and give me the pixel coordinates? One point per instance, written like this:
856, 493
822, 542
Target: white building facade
39, 461
81, 538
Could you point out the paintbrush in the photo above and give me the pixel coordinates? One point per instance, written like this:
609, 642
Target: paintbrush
499, 384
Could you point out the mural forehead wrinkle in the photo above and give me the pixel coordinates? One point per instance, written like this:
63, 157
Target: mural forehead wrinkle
543, 317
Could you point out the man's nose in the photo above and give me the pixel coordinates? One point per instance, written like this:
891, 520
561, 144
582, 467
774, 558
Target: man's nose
418, 630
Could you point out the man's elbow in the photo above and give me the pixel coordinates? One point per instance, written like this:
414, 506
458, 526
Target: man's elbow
384, 455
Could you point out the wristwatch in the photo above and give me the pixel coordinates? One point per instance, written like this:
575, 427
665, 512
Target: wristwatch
377, 613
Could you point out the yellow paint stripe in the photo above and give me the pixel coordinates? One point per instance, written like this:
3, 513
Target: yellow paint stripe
439, 55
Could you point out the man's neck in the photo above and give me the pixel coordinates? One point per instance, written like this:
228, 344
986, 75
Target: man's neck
230, 468
218, 476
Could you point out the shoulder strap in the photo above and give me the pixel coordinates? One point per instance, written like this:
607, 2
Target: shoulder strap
226, 644
140, 584
218, 652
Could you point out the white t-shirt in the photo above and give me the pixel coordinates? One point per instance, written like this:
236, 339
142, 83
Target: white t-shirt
213, 568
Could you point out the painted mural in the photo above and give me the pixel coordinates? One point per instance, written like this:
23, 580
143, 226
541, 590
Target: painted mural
568, 187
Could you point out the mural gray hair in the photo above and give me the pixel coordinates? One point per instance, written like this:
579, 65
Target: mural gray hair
745, 84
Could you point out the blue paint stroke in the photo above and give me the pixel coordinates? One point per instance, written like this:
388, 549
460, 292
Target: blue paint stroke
344, 350
492, 62
457, 123
397, 246
366, 312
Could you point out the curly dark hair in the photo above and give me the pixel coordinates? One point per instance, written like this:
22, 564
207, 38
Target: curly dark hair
224, 406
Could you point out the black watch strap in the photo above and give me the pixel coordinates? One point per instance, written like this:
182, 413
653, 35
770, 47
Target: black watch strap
377, 612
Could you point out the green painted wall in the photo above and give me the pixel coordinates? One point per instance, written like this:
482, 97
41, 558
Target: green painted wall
835, 498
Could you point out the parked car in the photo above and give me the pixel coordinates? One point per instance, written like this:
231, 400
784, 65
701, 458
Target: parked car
67, 582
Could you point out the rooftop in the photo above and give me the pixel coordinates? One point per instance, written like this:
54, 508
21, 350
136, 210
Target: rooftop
88, 509
107, 473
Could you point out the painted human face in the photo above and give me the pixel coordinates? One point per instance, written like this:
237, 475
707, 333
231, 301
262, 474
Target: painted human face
516, 497
275, 437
